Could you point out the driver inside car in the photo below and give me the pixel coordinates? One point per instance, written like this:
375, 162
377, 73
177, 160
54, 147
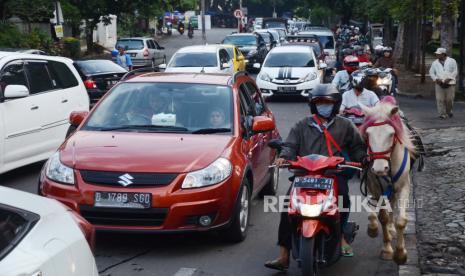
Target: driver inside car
309, 136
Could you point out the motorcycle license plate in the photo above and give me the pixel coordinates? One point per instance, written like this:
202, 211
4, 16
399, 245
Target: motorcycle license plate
133, 55
313, 183
286, 88
123, 200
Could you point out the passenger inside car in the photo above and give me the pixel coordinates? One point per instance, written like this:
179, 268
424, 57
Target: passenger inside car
217, 119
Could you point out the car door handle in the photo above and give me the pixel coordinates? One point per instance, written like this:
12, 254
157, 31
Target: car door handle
64, 101
34, 107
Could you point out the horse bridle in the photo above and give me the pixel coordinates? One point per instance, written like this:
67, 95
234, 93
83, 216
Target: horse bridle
386, 155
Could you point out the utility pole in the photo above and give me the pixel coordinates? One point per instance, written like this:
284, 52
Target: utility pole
462, 48
202, 13
423, 41
239, 20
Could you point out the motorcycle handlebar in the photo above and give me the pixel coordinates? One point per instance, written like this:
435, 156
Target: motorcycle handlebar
354, 164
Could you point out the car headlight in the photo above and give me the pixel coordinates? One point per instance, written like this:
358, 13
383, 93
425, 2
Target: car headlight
309, 77
265, 77
56, 171
213, 174
252, 53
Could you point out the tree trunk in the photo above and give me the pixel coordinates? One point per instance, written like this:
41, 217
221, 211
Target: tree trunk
90, 26
399, 44
447, 25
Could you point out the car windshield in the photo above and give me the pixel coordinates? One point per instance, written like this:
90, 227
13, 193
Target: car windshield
130, 44
326, 41
165, 107
90, 67
289, 60
240, 40
194, 60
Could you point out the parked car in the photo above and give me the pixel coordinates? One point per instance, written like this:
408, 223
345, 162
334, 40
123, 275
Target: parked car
168, 152
201, 58
268, 38
326, 38
40, 236
289, 70
237, 57
98, 75
24, 51
37, 94
252, 46
144, 51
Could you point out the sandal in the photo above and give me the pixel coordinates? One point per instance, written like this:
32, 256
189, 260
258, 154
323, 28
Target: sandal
346, 251
277, 265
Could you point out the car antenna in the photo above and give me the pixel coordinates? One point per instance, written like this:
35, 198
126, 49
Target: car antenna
203, 70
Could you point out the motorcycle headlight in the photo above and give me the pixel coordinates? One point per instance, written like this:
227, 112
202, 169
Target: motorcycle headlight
382, 81
265, 77
309, 77
55, 170
312, 210
252, 52
213, 174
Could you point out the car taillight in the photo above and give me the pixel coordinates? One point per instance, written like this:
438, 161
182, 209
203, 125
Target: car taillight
90, 84
86, 228
146, 52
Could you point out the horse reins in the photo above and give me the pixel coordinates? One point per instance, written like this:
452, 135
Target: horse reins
386, 155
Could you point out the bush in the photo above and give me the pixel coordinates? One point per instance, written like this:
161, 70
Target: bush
71, 47
11, 37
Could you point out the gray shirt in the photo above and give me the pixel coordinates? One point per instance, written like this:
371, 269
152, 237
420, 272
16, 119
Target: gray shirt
306, 138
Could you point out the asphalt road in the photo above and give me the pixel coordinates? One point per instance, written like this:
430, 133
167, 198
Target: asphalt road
137, 254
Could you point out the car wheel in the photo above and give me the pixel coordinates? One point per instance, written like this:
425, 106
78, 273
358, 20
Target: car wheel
237, 231
71, 130
271, 188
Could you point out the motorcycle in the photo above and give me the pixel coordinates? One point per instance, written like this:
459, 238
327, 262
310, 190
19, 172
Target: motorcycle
181, 30
167, 29
190, 33
385, 80
313, 210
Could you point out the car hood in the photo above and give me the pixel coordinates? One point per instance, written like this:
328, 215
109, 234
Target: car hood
288, 72
142, 152
193, 69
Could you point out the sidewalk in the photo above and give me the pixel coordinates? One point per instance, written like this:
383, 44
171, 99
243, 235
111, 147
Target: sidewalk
410, 83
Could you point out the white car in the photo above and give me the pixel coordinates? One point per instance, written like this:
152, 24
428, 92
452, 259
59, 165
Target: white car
289, 70
37, 95
202, 58
326, 37
40, 236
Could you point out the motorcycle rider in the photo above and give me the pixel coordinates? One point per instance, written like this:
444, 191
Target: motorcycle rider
181, 26
342, 81
358, 94
190, 29
307, 137
387, 61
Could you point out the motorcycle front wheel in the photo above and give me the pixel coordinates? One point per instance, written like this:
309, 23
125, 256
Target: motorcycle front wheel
308, 256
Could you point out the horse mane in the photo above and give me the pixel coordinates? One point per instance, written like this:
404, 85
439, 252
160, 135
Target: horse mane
382, 112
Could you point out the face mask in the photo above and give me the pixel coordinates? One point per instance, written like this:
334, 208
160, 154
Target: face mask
325, 110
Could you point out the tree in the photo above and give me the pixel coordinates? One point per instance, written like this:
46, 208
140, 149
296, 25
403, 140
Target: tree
449, 9
40, 11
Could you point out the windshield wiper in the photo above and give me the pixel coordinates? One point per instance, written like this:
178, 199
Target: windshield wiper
146, 127
211, 130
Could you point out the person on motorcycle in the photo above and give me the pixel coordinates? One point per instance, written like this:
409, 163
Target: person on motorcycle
358, 94
360, 53
181, 27
345, 53
307, 137
342, 81
190, 28
351, 64
387, 61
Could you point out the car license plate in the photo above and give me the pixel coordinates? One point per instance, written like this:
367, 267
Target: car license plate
286, 88
123, 200
313, 183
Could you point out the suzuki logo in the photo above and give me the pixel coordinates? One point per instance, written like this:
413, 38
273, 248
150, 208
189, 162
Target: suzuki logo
125, 179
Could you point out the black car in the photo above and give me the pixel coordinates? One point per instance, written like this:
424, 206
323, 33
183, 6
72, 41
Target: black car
252, 46
268, 38
99, 75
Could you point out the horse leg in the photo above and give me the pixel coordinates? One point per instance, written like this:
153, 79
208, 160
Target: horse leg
391, 228
372, 229
400, 256
386, 252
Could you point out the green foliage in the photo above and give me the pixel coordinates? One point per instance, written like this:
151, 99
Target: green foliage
71, 47
11, 37
30, 11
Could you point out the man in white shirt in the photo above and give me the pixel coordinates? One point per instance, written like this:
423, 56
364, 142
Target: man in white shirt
443, 71
342, 81
357, 95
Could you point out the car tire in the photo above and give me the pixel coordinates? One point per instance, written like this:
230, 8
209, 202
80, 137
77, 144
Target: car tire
237, 230
71, 130
271, 187
307, 256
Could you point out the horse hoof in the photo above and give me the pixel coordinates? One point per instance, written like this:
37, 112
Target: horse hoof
400, 256
386, 255
372, 232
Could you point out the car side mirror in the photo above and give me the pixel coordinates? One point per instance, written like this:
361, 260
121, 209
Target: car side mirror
77, 117
15, 91
263, 124
256, 65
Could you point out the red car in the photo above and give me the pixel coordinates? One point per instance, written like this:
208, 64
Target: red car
168, 152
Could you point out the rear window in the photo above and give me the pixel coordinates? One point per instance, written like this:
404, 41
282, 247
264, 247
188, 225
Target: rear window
62, 75
130, 44
240, 40
194, 60
91, 67
14, 225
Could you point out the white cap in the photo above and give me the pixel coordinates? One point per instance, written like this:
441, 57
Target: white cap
441, 51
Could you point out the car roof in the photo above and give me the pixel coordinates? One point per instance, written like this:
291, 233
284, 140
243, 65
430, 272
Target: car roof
318, 31
18, 55
197, 78
242, 34
200, 48
29, 202
134, 38
291, 48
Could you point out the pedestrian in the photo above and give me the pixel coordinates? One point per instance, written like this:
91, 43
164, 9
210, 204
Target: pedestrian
443, 71
123, 59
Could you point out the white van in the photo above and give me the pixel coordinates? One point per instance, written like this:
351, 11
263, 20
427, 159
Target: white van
37, 95
326, 37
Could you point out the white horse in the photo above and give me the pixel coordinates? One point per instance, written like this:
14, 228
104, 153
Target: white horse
390, 148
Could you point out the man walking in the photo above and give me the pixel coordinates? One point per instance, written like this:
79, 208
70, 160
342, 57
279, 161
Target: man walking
443, 71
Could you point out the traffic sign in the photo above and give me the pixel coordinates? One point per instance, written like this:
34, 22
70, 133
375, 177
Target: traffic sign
238, 13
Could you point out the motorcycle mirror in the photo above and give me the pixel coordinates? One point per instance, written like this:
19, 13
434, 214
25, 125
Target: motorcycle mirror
276, 144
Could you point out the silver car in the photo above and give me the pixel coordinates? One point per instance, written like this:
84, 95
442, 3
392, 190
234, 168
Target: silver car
144, 51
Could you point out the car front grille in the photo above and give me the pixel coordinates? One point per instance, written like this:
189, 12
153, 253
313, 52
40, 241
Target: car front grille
123, 178
124, 217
